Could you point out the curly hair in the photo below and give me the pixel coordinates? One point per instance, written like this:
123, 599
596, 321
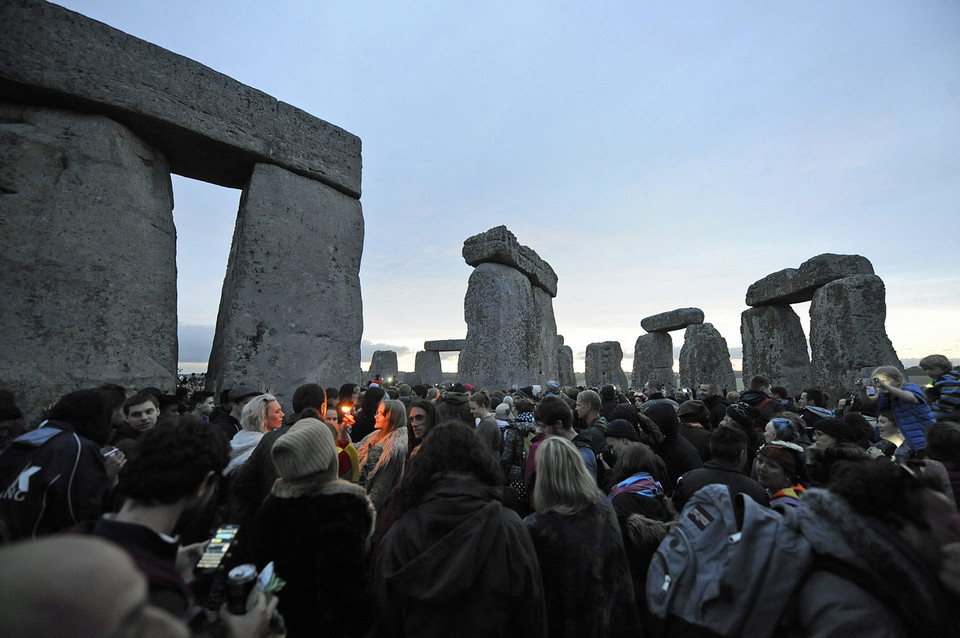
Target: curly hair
451, 447
171, 461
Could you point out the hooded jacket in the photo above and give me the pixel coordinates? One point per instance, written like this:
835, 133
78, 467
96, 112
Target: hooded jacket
458, 563
869, 583
316, 533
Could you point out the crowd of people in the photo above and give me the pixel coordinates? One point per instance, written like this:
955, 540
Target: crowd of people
452, 510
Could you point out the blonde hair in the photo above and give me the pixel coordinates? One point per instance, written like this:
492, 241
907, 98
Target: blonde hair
253, 417
563, 484
891, 372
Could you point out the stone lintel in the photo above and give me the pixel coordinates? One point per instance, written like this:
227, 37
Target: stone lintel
673, 320
209, 126
498, 245
444, 345
796, 285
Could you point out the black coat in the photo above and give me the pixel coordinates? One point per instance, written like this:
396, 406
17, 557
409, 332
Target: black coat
317, 536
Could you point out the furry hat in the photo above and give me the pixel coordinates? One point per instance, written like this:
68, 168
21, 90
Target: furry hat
623, 429
306, 451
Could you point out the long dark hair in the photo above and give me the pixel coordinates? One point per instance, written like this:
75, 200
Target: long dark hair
638, 457
451, 447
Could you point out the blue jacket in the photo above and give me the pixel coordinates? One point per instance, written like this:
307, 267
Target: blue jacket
913, 419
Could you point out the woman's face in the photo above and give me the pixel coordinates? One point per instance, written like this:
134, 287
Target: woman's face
418, 420
382, 419
274, 415
823, 440
769, 432
771, 474
886, 426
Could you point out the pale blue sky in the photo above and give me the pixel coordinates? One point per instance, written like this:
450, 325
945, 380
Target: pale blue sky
658, 155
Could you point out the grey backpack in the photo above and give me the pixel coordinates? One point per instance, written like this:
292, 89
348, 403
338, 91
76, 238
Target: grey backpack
728, 568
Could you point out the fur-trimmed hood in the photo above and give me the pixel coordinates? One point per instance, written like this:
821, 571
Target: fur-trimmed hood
645, 531
315, 486
879, 553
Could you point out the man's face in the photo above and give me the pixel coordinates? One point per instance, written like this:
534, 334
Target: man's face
143, 416
206, 408
583, 409
418, 419
803, 402
330, 416
704, 391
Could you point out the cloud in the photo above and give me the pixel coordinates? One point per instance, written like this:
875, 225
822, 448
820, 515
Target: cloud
367, 348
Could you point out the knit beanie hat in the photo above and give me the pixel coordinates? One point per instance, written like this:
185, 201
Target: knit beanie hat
788, 455
308, 449
622, 428
503, 411
842, 432
745, 415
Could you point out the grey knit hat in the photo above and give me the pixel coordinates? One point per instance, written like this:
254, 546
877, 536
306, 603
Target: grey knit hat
308, 449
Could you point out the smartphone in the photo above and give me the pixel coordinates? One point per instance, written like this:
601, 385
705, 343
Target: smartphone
107, 450
218, 546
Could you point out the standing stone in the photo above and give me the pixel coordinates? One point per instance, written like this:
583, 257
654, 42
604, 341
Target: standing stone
774, 346
90, 275
705, 358
511, 331
603, 364
653, 360
428, 367
847, 332
290, 312
384, 363
565, 373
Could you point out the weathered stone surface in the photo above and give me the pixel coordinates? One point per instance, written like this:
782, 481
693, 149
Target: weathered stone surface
498, 245
565, 373
428, 367
653, 359
847, 332
705, 358
603, 363
774, 346
508, 344
290, 312
210, 127
674, 320
89, 287
795, 285
384, 363
444, 345
410, 378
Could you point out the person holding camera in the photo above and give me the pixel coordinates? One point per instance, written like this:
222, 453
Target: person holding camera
905, 400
